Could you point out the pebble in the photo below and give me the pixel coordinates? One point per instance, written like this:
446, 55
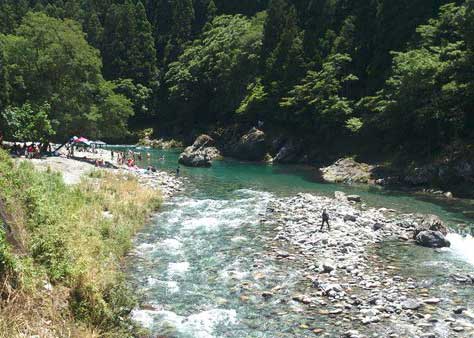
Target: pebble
355, 284
432, 300
459, 310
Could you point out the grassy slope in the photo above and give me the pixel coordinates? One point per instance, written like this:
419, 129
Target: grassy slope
61, 252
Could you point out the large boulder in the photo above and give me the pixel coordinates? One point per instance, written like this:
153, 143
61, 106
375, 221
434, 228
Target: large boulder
432, 239
251, 146
288, 153
430, 223
201, 153
347, 170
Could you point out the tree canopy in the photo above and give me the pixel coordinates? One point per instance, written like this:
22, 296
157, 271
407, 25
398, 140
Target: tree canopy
48, 60
380, 71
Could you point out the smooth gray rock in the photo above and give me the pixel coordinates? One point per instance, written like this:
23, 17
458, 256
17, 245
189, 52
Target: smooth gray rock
251, 146
350, 218
432, 239
432, 223
411, 304
377, 226
347, 170
201, 153
354, 198
288, 153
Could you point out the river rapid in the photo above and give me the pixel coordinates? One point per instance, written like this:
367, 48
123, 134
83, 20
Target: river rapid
202, 264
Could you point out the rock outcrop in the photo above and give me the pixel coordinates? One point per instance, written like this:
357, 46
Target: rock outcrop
347, 170
288, 153
430, 231
251, 146
430, 223
432, 239
201, 153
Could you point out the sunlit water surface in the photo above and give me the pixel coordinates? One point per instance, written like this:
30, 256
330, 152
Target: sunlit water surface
202, 260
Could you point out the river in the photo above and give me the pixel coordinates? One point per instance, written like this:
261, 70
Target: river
201, 262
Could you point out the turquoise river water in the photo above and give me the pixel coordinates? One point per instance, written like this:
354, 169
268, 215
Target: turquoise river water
191, 265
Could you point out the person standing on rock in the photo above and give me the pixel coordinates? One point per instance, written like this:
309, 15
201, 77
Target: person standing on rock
325, 217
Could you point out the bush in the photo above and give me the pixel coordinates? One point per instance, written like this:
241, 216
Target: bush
73, 237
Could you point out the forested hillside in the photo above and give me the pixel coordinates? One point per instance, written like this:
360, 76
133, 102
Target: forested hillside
399, 74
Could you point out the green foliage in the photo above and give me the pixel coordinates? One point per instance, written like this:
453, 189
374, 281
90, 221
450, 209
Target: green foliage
68, 242
427, 97
219, 62
255, 100
320, 101
7, 260
137, 93
128, 44
49, 60
212, 74
27, 124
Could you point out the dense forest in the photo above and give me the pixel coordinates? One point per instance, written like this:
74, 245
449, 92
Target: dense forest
394, 75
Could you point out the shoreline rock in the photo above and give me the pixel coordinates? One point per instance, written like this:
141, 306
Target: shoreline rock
344, 273
347, 170
251, 146
201, 153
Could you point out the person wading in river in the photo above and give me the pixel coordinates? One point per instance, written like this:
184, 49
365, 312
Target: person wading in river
325, 217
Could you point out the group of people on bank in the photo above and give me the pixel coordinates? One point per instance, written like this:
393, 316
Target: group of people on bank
33, 150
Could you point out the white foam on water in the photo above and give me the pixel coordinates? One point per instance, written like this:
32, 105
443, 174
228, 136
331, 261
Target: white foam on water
210, 223
144, 248
462, 246
144, 317
152, 281
170, 285
211, 214
171, 244
238, 239
203, 324
177, 268
199, 325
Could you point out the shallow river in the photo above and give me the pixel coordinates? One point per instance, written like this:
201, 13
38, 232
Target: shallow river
202, 261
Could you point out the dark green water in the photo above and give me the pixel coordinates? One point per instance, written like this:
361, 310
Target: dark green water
201, 261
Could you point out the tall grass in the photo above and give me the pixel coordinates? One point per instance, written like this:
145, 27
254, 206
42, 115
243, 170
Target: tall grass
61, 251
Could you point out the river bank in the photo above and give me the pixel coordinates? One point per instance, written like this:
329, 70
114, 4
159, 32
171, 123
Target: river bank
73, 170
351, 286
67, 226
446, 173
239, 254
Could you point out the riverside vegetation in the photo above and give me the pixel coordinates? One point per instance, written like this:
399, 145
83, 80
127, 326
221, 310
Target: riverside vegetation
387, 79
61, 250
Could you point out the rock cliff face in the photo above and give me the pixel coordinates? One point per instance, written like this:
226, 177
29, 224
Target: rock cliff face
449, 172
250, 147
201, 153
289, 152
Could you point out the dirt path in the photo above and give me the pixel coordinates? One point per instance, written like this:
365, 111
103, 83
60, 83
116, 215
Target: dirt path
71, 170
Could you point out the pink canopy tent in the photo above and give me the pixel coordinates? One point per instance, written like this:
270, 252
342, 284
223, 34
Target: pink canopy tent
81, 140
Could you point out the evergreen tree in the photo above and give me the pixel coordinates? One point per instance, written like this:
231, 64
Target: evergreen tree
211, 11
93, 28
273, 27
182, 14
11, 13
119, 41
144, 52
285, 62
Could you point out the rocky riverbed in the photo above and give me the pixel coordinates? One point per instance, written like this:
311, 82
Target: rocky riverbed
73, 170
343, 280
168, 184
